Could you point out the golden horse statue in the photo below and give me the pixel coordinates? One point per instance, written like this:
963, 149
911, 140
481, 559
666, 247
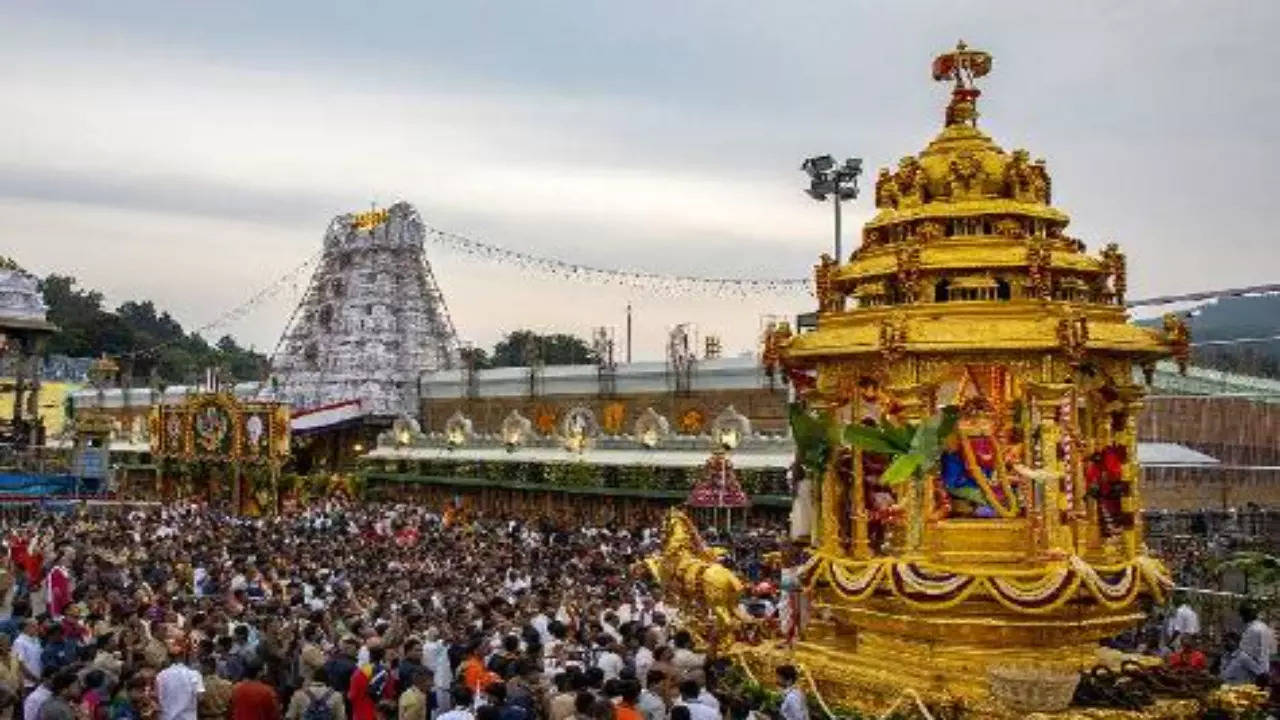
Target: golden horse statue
692, 579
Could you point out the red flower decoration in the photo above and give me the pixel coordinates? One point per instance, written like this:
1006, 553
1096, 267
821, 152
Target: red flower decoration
1093, 472
1113, 461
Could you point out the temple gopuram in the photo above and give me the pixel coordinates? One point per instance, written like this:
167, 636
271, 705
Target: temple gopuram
967, 417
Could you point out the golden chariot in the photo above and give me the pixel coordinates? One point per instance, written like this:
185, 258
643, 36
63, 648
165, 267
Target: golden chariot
1018, 546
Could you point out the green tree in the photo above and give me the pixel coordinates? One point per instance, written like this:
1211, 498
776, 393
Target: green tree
1261, 570
76, 312
145, 338
476, 356
522, 347
244, 364
175, 365
149, 327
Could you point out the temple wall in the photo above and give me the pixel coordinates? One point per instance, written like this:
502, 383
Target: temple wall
617, 398
1209, 488
767, 409
1235, 430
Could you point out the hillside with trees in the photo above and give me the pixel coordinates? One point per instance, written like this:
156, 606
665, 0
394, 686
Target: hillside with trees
145, 339
1232, 319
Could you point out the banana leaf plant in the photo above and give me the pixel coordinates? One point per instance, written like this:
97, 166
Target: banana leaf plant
815, 435
914, 450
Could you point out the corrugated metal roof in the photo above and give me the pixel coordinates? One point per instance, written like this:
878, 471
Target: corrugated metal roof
1163, 453
1148, 454
639, 456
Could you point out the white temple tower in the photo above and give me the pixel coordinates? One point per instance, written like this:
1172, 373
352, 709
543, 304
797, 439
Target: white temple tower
372, 321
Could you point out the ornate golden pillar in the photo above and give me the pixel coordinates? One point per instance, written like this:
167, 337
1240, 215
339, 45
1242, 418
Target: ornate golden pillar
860, 545
829, 518
826, 536
1084, 520
1052, 500
861, 538
1131, 396
1053, 536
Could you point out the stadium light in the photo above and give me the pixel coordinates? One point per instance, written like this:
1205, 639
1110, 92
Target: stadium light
838, 182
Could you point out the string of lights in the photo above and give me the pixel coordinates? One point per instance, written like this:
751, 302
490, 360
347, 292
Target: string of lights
1237, 341
1206, 295
649, 282
691, 284
293, 314
243, 309
656, 283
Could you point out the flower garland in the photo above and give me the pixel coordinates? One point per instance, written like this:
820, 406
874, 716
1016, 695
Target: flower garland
971, 464
1025, 591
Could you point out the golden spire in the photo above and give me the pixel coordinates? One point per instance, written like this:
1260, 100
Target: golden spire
962, 66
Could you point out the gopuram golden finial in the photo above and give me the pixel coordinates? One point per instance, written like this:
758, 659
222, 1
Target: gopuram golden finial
962, 66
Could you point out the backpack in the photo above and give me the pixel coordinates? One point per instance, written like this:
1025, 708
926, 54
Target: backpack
318, 708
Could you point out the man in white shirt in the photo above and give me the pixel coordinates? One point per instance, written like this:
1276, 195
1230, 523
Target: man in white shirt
609, 623
178, 687
644, 655
651, 704
541, 623
685, 659
1257, 646
625, 613
658, 624
1184, 621
197, 581
26, 648
691, 697
608, 659
794, 706
462, 701
706, 698
31, 706
435, 657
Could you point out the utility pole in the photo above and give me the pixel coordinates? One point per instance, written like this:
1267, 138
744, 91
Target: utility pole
840, 183
628, 333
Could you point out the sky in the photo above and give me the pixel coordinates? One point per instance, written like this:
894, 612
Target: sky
192, 153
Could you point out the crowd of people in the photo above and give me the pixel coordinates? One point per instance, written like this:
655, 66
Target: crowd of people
383, 611
350, 613
1238, 656
1215, 623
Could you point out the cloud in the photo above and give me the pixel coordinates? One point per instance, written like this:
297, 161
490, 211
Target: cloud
196, 186
212, 139
191, 152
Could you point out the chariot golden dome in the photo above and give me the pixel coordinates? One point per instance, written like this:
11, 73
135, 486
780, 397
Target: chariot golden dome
962, 172
967, 222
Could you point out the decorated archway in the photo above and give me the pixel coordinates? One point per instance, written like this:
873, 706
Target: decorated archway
217, 449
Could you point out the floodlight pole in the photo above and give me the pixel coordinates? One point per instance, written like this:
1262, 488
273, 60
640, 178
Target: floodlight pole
840, 182
835, 202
